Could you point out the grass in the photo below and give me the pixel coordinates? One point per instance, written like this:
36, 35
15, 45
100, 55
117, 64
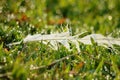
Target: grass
37, 61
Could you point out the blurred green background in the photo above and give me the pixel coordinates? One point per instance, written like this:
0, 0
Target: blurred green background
19, 18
